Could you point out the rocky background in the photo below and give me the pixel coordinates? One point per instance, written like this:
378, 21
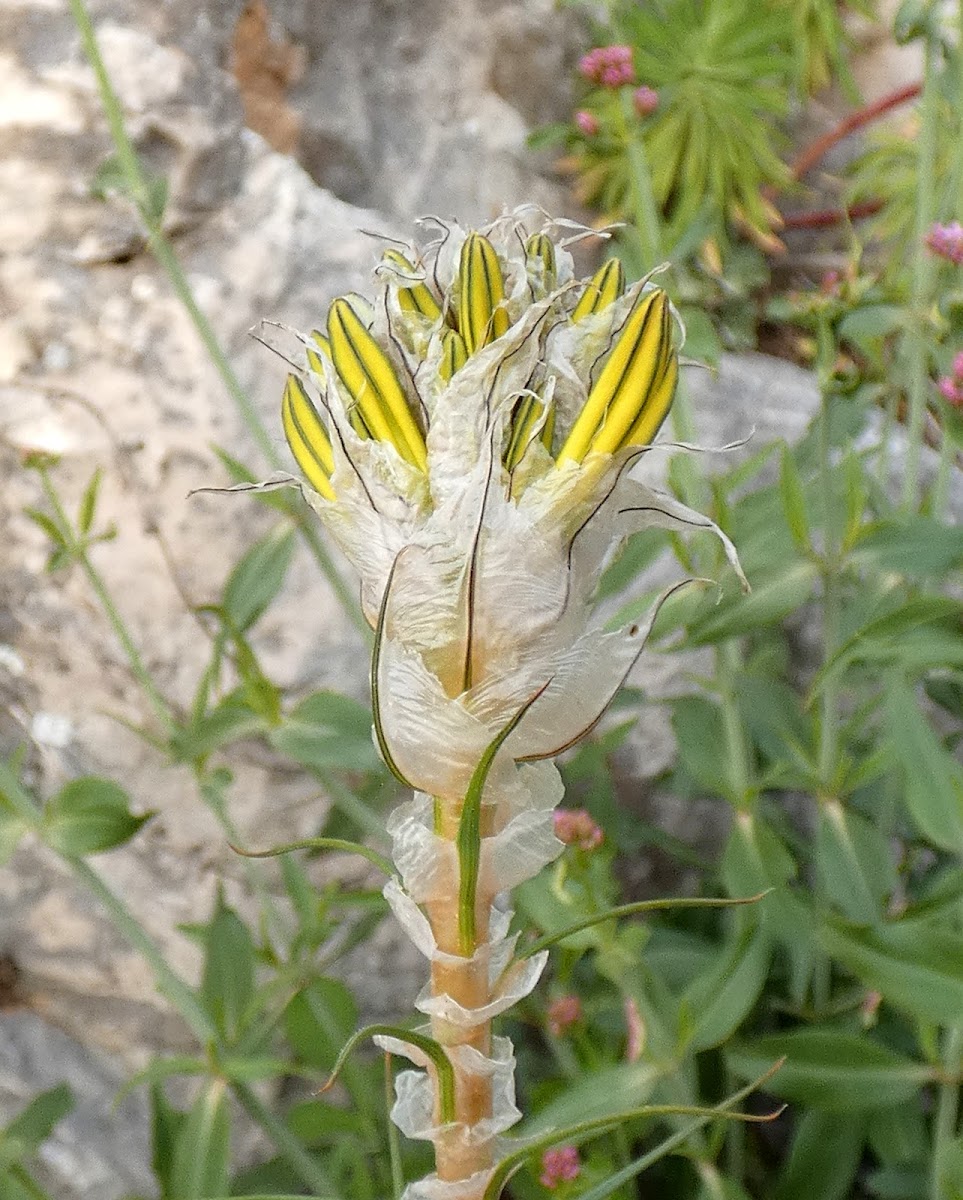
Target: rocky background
284, 134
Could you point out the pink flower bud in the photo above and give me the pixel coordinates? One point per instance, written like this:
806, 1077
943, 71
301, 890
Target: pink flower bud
561, 1163
645, 100
575, 827
587, 122
946, 241
562, 1013
952, 392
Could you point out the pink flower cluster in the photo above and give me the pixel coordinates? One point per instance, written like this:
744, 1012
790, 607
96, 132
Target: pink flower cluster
608, 66
950, 388
559, 1164
564, 1011
575, 827
946, 241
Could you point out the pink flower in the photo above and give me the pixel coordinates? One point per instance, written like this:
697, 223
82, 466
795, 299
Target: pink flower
575, 827
646, 100
951, 390
587, 122
946, 241
559, 1164
608, 66
564, 1011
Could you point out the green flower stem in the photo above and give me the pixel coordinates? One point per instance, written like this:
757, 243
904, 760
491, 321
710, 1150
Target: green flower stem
647, 223
829, 565
138, 188
96, 581
947, 1109
922, 277
728, 664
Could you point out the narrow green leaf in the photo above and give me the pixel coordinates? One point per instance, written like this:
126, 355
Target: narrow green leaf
318, 1021
38, 1120
380, 738
629, 910
323, 843
932, 778
89, 815
327, 731
919, 547
725, 992
771, 599
854, 862
88, 503
227, 985
49, 526
826, 1153
201, 1165
258, 577
794, 501
428, 1046
468, 841
917, 968
832, 1070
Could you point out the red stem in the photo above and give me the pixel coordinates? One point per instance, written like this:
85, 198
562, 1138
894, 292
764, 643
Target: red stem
820, 217
812, 153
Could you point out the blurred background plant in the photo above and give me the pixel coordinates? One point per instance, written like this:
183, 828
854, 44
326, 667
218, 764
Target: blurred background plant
824, 718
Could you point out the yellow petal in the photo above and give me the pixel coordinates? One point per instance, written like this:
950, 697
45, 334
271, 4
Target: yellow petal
416, 297
636, 392
540, 247
481, 291
454, 355
307, 437
606, 285
626, 377
368, 375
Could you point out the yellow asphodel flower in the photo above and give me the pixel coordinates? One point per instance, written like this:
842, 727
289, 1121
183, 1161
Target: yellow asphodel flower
467, 439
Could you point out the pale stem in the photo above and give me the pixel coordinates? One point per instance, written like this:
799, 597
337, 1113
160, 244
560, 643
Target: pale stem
465, 980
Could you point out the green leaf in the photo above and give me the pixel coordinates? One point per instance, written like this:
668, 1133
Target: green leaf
932, 778
831, 1070
854, 863
49, 526
917, 968
227, 986
701, 744
166, 1123
919, 546
229, 721
867, 325
825, 1155
597, 1094
89, 815
328, 732
37, 1121
794, 501
258, 577
883, 636
771, 599
319, 1020
725, 992
88, 503
201, 1165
